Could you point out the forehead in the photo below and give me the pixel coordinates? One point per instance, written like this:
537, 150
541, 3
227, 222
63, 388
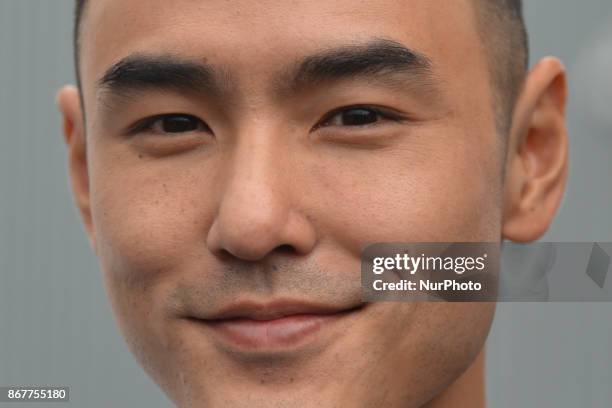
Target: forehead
257, 39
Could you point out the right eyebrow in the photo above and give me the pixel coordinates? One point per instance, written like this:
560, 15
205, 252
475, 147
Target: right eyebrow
139, 72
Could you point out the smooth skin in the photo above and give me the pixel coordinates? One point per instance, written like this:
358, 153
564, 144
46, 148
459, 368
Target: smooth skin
269, 198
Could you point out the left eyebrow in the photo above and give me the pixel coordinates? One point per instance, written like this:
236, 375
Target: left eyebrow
380, 61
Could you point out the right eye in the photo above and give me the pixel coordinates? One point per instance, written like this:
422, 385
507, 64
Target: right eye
173, 124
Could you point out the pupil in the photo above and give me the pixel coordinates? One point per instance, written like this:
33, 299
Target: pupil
179, 124
357, 117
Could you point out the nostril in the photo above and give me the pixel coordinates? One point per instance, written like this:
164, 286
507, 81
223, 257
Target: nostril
286, 249
224, 254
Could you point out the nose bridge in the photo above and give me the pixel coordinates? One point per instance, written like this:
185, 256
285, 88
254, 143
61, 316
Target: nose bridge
256, 212
255, 187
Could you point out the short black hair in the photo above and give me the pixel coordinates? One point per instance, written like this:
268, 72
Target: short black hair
78, 17
504, 37
503, 33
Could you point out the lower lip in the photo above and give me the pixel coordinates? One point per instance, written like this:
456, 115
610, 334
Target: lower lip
284, 332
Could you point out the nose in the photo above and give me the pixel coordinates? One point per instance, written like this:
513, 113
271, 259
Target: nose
258, 212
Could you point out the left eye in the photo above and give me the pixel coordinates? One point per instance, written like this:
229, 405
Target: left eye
354, 117
357, 116
178, 124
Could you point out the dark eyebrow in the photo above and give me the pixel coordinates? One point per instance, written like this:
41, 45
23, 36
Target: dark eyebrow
381, 60
141, 72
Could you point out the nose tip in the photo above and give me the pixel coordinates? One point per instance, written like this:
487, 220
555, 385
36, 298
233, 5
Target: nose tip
251, 234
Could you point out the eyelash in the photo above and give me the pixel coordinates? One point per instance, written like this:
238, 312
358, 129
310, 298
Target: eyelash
383, 113
147, 124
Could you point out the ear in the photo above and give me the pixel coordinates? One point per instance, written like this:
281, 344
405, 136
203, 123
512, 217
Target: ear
69, 103
536, 165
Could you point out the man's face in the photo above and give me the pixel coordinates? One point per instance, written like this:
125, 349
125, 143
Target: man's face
230, 231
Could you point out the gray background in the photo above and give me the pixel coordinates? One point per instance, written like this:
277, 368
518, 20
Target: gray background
55, 324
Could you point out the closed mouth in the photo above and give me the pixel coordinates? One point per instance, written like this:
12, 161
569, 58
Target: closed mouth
273, 326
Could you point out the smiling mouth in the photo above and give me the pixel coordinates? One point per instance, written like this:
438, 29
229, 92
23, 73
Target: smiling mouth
274, 327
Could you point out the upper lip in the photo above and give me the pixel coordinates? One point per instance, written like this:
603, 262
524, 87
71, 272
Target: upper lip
274, 310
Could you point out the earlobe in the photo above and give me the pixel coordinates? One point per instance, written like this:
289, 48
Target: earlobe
536, 171
69, 104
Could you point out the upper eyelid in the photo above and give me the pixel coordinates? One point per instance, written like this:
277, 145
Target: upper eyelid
147, 123
387, 113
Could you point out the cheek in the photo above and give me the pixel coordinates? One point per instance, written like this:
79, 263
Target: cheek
437, 342
450, 337
148, 223
146, 219
428, 192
